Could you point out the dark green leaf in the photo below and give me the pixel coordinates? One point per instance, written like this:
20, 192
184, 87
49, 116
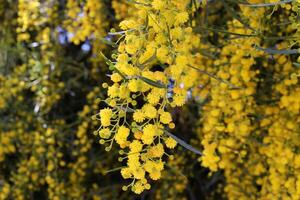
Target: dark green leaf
183, 143
151, 82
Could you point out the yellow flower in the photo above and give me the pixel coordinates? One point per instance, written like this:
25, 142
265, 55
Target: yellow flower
138, 187
135, 146
128, 24
157, 151
181, 17
105, 133
154, 169
165, 117
158, 4
138, 116
105, 116
149, 131
133, 85
149, 111
170, 143
179, 100
115, 77
126, 173
121, 136
153, 98
113, 90
162, 53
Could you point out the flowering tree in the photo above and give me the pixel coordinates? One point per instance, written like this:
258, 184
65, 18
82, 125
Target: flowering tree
190, 99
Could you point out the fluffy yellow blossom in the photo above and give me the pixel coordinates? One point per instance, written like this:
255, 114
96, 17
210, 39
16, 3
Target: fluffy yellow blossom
171, 143
149, 131
115, 77
136, 146
105, 115
121, 136
181, 17
157, 150
105, 133
139, 116
150, 111
165, 117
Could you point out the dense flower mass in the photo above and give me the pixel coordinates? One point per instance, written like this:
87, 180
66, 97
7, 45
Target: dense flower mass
189, 99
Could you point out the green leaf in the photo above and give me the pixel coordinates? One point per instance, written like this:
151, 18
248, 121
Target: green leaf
112, 66
151, 82
296, 64
120, 73
105, 41
183, 143
278, 51
267, 4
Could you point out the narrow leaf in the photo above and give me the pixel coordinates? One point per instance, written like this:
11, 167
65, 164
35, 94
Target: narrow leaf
151, 82
267, 4
296, 64
105, 41
111, 65
278, 51
183, 143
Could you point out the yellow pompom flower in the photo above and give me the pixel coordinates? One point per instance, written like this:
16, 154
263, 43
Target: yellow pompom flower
135, 146
170, 143
157, 151
126, 173
105, 133
138, 116
149, 111
121, 136
149, 131
105, 116
153, 98
138, 187
133, 85
165, 117
158, 4
181, 17
115, 77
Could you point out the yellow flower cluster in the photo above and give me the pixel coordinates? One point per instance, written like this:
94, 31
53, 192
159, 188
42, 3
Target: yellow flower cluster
244, 132
152, 38
252, 131
86, 22
217, 80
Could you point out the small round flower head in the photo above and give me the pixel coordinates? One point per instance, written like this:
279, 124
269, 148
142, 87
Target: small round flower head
105, 133
136, 146
138, 116
149, 111
165, 117
157, 151
170, 143
121, 136
149, 132
138, 187
105, 116
115, 77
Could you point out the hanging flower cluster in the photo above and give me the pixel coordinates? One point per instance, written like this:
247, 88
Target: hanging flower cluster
191, 99
151, 73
